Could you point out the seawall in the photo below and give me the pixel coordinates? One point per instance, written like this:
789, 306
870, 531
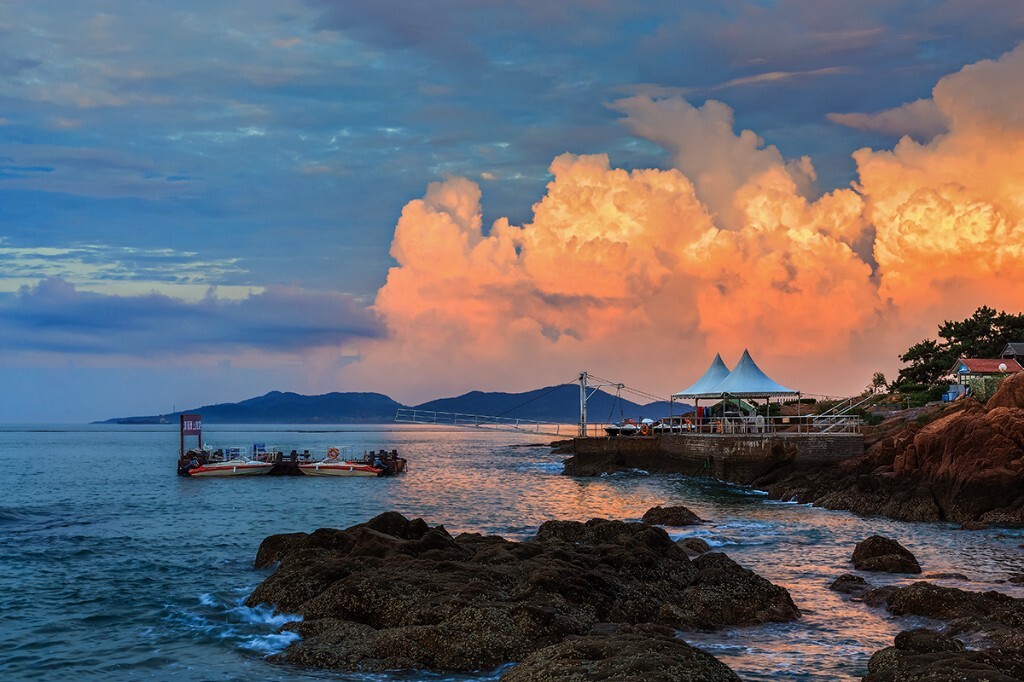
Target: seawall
737, 458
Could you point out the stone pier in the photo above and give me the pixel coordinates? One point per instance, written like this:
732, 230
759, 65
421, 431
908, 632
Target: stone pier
737, 458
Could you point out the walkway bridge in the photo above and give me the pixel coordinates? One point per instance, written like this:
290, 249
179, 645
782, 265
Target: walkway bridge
489, 423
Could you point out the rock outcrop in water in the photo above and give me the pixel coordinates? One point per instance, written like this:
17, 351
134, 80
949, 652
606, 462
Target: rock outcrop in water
928, 655
671, 516
966, 466
398, 594
884, 555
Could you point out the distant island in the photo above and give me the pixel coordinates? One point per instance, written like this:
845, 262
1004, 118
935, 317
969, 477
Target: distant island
552, 403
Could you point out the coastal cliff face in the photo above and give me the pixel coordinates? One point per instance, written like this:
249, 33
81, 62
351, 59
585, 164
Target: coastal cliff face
966, 466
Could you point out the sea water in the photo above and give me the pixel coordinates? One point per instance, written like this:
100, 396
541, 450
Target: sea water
114, 568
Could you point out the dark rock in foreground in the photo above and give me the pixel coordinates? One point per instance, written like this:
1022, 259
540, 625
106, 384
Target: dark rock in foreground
671, 516
929, 655
643, 654
694, 546
884, 555
397, 594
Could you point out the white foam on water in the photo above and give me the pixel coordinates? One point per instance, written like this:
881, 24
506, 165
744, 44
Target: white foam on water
269, 644
229, 620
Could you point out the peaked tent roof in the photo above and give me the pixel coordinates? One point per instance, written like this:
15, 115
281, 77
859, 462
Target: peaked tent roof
714, 375
745, 381
748, 381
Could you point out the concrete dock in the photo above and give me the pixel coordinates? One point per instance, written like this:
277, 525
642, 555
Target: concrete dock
737, 458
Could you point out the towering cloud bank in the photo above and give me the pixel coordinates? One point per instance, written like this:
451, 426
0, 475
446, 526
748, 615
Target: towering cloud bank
643, 274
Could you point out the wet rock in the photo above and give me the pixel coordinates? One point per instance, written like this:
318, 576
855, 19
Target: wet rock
630, 655
925, 641
999, 617
1016, 578
973, 525
926, 655
397, 594
671, 516
694, 546
885, 555
920, 641
945, 576
848, 583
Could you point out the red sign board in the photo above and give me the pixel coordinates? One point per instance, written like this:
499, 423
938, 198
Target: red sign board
191, 424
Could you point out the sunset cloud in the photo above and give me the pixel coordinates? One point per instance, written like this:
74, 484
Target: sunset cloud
948, 215
646, 273
920, 119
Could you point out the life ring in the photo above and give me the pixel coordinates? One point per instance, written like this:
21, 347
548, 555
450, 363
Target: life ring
333, 453
645, 429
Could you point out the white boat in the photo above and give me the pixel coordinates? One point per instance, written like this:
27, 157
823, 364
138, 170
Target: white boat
338, 468
629, 427
232, 467
339, 462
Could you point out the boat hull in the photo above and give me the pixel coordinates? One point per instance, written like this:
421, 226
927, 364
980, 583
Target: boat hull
232, 469
339, 469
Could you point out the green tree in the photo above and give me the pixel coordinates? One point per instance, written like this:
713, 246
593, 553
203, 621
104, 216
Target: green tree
982, 335
878, 382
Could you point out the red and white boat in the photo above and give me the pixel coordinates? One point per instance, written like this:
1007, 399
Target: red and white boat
334, 465
339, 462
232, 467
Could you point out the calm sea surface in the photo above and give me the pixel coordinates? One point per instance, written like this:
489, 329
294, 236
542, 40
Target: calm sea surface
112, 567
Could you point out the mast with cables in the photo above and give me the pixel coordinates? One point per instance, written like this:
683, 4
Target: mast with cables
585, 394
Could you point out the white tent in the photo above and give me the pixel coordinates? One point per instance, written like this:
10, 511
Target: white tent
714, 375
748, 381
745, 381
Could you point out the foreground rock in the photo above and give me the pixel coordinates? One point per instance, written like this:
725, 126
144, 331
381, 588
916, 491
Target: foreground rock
884, 555
640, 655
851, 584
965, 466
695, 546
397, 594
930, 655
671, 516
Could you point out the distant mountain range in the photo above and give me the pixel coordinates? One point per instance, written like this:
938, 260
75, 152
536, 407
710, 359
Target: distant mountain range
554, 403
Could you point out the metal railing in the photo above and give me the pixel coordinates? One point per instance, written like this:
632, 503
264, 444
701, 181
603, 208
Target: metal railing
806, 424
411, 416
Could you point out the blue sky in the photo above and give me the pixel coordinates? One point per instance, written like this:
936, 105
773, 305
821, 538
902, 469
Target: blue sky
197, 199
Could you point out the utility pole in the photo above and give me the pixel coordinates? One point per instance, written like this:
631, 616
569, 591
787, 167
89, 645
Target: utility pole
585, 386
583, 405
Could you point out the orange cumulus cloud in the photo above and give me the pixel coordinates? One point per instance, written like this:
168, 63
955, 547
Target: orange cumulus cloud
949, 214
642, 275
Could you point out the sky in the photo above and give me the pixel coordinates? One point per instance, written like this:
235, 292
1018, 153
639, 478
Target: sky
202, 202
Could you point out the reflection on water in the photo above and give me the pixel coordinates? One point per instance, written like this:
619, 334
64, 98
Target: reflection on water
117, 568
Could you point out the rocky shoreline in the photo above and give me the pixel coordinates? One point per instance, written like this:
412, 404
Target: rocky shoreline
963, 463
601, 600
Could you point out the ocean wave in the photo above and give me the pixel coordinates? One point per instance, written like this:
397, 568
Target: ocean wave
227, 619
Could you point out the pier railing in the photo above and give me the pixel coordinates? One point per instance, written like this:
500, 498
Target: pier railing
411, 416
806, 424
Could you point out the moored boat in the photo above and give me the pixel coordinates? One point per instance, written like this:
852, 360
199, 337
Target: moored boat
338, 463
231, 467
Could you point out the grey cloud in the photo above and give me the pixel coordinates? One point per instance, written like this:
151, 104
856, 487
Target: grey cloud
57, 318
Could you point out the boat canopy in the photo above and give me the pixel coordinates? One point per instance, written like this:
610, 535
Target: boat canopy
714, 375
745, 381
